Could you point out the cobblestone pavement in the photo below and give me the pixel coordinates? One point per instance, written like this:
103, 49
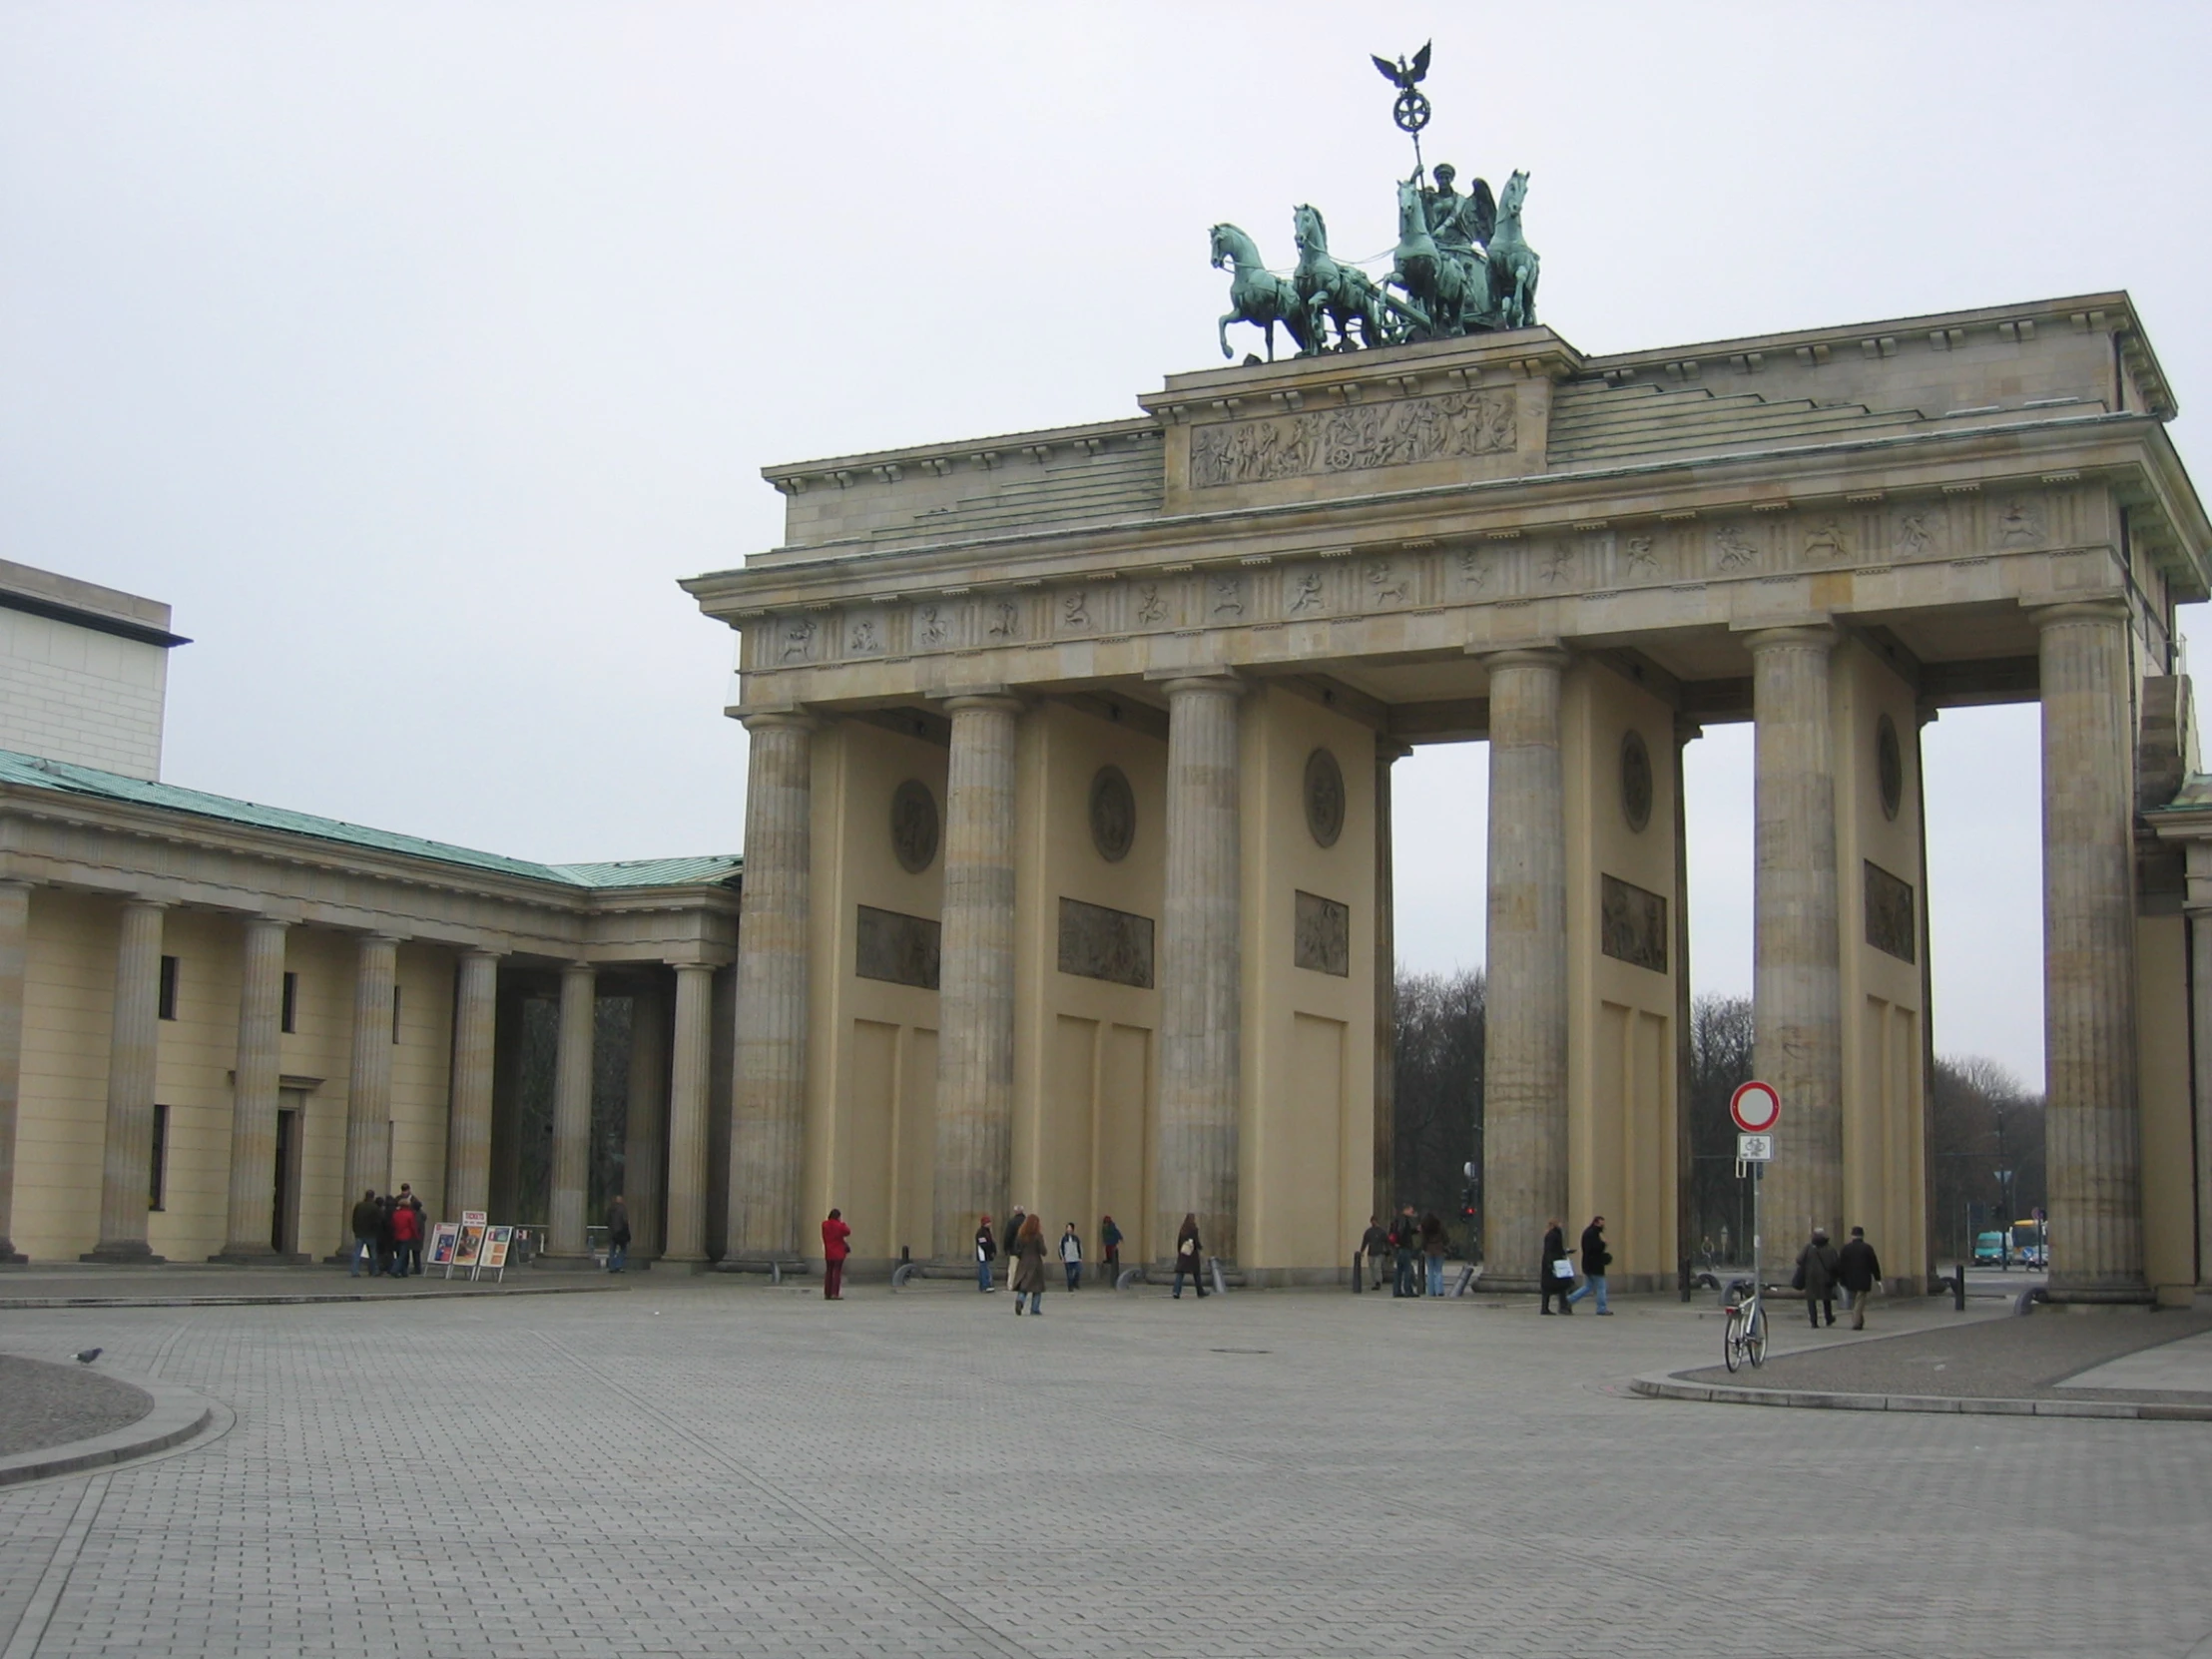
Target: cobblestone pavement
716, 1469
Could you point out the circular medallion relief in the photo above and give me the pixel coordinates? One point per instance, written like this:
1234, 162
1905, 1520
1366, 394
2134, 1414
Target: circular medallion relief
1889, 765
1325, 796
913, 825
1113, 815
1635, 781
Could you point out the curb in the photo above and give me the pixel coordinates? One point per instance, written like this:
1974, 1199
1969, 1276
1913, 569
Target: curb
1663, 1386
297, 1299
178, 1415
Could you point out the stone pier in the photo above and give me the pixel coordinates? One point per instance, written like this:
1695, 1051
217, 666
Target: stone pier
687, 1114
469, 1138
2094, 1159
976, 1000
126, 1158
253, 1095
770, 1107
1526, 1030
15, 940
572, 1079
368, 1095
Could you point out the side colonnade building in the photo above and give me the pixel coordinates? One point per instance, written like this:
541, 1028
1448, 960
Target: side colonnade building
1069, 872
222, 1022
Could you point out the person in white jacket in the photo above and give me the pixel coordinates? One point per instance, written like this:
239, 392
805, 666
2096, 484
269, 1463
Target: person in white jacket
1071, 1257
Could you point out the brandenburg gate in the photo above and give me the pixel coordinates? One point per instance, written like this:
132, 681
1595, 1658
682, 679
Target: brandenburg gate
1067, 845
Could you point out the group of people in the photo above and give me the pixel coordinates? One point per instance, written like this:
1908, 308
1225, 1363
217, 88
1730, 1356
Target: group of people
1025, 1253
1555, 1273
1822, 1269
1405, 1244
388, 1229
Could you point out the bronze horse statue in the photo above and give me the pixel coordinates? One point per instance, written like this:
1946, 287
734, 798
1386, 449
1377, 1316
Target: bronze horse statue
1256, 295
1513, 264
1335, 294
1451, 292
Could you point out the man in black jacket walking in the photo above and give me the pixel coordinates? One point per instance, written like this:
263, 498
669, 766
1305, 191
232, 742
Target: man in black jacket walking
366, 1224
1859, 1270
1549, 1282
1595, 1259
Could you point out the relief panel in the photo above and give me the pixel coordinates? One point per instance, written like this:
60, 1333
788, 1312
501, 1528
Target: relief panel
1890, 914
1361, 437
1099, 944
1632, 925
1321, 935
899, 949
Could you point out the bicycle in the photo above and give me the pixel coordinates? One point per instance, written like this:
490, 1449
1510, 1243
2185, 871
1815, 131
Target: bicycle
1745, 1336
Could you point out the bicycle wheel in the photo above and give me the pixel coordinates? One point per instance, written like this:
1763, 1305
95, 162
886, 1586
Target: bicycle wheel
1732, 1348
1755, 1339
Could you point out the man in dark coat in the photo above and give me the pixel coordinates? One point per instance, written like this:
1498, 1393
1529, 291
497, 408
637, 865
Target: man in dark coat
1816, 1273
1859, 1270
1555, 1251
1375, 1244
365, 1225
618, 1234
1405, 1238
1595, 1259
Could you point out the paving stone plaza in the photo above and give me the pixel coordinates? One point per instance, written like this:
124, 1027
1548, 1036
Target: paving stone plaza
685, 1467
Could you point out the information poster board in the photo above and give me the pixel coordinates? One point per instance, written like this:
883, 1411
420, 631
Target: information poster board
472, 1237
493, 1258
445, 1239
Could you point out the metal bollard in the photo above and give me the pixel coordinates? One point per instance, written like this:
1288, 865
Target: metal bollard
1686, 1279
1959, 1288
1356, 1287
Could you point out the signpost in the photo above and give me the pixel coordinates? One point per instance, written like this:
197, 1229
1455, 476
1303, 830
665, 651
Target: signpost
1757, 1108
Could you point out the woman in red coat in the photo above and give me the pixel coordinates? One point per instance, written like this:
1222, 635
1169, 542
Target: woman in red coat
833, 1252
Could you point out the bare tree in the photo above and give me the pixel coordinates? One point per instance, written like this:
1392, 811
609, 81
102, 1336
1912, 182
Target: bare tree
1984, 1121
1438, 1082
1720, 1034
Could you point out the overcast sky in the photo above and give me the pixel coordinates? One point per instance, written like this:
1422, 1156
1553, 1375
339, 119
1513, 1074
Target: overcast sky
413, 352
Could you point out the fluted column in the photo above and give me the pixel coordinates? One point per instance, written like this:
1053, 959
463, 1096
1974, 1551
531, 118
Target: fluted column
687, 1114
1386, 754
2200, 1023
572, 1078
125, 1170
1524, 1091
1201, 1011
647, 1118
475, 1051
254, 1099
1796, 984
2092, 1135
368, 1086
976, 986
15, 941
769, 1097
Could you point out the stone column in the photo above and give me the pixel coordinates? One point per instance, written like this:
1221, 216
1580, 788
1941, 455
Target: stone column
2094, 1144
1386, 754
687, 1114
125, 1171
1524, 1092
976, 995
768, 1113
468, 1117
2200, 1017
572, 1079
253, 1095
1796, 984
369, 1089
15, 941
1201, 941
646, 1137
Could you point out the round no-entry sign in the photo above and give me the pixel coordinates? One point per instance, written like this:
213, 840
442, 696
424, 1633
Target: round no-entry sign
1754, 1107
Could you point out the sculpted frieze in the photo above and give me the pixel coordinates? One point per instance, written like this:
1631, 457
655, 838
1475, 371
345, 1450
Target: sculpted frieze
1358, 438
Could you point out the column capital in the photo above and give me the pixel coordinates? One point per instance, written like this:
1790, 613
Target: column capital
484, 954
395, 940
1533, 654
139, 901
1389, 751
995, 699
2079, 610
1217, 682
789, 719
1819, 635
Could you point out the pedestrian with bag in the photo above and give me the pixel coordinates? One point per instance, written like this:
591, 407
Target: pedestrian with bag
364, 1236
986, 1252
1595, 1259
1109, 1241
1860, 1269
1028, 1258
1555, 1273
1071, 1257
1375, 1244
1433, 1248
1189, 1258
618, 1234
834, 1249
1816, 1277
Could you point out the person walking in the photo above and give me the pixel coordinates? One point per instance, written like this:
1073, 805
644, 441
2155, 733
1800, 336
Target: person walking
1405, 1235
834, 1249
1860, 1269
1433, 1248
1028, 1257
1189, 1258
986, 1252
1375, 1244
618, 1234
1071, 1257
364, 1236
1595, 1259
1109, 1242
1550, 1280
1816, 1277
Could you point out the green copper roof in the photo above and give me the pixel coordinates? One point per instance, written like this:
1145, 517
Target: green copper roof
30, 772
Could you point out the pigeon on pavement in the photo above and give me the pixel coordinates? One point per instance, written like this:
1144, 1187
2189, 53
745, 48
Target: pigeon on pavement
86, 1355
